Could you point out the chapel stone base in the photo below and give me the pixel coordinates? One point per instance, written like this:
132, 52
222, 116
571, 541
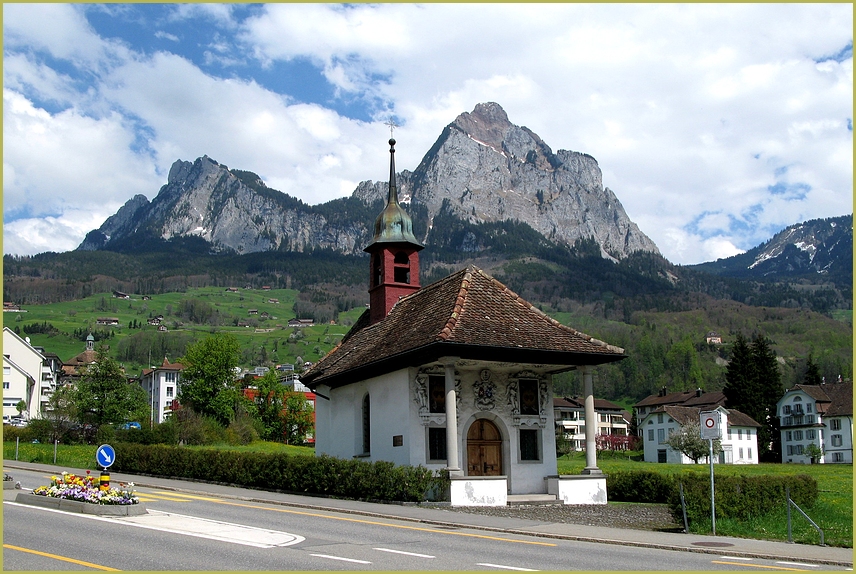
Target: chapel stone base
578, 489
479, 491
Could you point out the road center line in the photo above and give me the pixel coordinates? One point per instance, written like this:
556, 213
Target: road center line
405, 553
375, 523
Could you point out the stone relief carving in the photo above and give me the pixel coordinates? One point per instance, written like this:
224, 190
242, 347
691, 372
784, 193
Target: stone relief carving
422, 399
513, 399
484, 391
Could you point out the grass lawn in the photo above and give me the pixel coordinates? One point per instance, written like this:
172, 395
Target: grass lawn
833, 512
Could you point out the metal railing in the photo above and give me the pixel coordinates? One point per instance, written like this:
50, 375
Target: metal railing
794, 504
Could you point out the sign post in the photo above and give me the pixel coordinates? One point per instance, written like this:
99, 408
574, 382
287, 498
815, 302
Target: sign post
105, 456
711, 428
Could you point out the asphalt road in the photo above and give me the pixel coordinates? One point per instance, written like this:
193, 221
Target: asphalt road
185, 531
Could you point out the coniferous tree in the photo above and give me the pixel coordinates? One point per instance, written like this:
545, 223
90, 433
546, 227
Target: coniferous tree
812, 372
753, 386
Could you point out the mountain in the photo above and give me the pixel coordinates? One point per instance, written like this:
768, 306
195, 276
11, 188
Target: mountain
817, 250
482, 171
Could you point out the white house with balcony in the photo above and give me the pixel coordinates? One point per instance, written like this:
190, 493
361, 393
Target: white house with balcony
161, 384
739, 441
570, 416
29, 375
820, 415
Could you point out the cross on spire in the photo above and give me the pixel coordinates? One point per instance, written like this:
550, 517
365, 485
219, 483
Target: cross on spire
392, 125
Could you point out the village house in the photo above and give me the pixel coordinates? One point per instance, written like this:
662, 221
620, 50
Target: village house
29, 374
109, 321
713, 338
695, 399
161, 384
739, 442
612, 421
820, 415
301, 322
73, 368
455, 376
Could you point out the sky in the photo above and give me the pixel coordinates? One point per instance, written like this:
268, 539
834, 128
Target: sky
715, 125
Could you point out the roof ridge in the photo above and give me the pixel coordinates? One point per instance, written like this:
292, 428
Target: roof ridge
460, 300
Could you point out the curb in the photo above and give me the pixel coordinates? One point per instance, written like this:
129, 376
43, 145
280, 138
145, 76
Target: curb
81, 507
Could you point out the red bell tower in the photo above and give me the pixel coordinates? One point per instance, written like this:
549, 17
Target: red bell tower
394, 253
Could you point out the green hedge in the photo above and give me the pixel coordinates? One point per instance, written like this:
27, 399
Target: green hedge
639, 486
322, 475
741, 497
738, 497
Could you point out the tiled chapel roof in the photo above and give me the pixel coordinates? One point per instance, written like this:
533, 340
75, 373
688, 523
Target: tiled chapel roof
470, 315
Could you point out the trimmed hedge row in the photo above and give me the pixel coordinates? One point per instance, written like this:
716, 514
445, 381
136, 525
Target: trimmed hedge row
738, 497
742, 497
322, 475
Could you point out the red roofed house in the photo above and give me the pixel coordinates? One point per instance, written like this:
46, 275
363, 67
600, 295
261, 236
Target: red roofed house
456, 376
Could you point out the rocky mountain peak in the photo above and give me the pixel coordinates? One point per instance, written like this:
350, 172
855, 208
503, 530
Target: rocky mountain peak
482, 169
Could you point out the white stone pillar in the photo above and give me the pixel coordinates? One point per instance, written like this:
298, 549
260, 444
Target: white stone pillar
452, 464
591, 422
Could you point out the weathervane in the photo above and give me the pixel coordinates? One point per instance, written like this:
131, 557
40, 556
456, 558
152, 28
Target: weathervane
392, 125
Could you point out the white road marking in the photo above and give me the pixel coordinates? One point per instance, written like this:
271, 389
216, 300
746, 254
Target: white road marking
735, 558
340, 558
193, 526
797, 564
405, 553
505, 567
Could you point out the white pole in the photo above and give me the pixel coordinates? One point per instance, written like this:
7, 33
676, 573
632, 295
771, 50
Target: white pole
712, 497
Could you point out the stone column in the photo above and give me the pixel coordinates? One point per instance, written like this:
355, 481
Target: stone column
591, 422
451, 420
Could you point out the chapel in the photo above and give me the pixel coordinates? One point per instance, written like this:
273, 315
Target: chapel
454, 376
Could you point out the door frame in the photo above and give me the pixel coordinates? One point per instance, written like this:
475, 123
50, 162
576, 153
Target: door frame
504, 460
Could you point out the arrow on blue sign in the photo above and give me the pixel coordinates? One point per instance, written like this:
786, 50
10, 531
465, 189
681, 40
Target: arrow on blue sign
105, 455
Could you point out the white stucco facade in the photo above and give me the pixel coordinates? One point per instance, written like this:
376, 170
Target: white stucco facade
400, 421
816, 420
27, 376
739, 443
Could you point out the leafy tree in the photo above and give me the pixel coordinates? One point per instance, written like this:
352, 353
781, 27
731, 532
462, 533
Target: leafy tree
270, 402
689, 442
682, 360
61, 410
104, 396
297, 418
208, 384
21, 406
813, 452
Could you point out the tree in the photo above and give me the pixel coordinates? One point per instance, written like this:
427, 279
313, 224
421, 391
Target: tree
297, 418
208, 384
813, 452
812, 372
753, 386
688, 441
104, 395
270, 402
61, 410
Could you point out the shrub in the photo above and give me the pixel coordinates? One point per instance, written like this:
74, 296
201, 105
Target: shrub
741, 497
301, 474
640, 486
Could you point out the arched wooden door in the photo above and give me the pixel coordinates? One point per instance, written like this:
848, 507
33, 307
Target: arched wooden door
484, 449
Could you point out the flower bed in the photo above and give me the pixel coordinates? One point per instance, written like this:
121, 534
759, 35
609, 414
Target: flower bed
87, 489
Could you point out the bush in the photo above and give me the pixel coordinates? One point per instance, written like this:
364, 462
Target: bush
741, 497
324, 475
640, 486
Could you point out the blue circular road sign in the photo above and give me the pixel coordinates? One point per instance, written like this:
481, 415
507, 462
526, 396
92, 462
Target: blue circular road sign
105, 455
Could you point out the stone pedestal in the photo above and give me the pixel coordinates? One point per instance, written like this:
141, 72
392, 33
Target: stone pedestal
81, 507
479, 491
578, 489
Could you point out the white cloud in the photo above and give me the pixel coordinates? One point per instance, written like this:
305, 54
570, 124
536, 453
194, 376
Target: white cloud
67, 161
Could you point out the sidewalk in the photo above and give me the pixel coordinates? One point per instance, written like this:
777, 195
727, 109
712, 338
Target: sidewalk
719, 545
